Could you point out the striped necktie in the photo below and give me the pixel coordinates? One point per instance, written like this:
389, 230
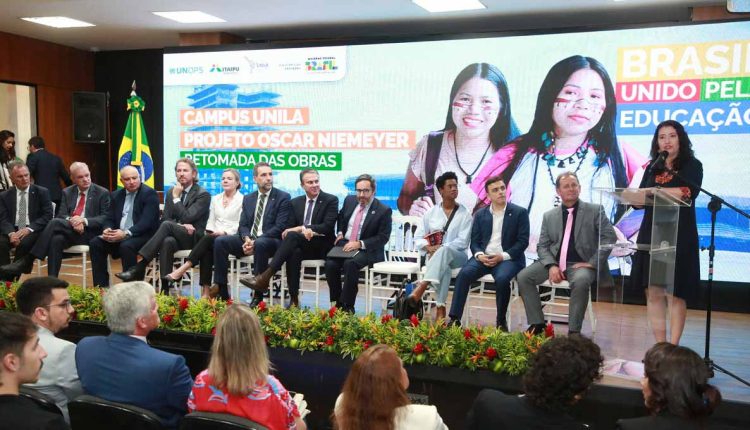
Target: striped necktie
258, 216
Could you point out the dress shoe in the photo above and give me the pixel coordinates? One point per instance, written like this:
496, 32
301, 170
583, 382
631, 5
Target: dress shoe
503, 327
18, 267
135, 273
257, 298
258, 283
452, 321
293, 301
535, 329
213, 291
167, 283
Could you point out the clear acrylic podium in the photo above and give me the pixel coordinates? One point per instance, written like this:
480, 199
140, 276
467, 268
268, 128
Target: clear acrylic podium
627, 322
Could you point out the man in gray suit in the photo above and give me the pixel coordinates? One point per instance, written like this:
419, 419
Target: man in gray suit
45, 300
81, 217
568, 249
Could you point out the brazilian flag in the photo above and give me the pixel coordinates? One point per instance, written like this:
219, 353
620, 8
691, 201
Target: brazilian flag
134, 149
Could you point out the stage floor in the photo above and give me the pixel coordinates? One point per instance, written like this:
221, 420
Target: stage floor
622, 332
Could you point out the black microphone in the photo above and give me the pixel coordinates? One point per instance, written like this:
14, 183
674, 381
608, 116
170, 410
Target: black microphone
659, 162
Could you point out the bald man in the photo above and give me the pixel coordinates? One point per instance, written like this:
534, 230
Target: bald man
133, 218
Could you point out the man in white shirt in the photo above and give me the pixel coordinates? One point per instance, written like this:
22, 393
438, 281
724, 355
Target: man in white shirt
45, 300
499, 236
452, 222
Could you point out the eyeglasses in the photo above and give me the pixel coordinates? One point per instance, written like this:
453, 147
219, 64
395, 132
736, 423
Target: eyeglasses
363, 190
65, 305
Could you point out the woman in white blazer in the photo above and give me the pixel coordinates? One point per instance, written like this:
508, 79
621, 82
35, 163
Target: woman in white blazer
374, 396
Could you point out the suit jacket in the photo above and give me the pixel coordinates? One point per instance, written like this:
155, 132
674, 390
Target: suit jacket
96, 209
40, 209
586, 232
495, 410
274, 218
323, 220
58, 378
194, 211
121, 368
515, 234
145, 211
376, 228
47, 169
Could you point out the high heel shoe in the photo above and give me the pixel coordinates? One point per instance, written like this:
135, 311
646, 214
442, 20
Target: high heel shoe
167, 283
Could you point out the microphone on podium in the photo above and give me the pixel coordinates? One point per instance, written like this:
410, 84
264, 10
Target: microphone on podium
660, 160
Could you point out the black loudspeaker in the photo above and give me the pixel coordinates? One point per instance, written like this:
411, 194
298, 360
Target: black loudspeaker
89, 117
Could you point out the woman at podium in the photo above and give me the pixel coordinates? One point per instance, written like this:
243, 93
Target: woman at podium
673, 170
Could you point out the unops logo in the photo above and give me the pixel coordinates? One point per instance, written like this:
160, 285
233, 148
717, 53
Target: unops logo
191, 70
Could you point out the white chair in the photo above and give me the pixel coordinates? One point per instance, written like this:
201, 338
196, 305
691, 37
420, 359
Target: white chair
556, 306
80, 251
244, 266
180, 257
317, 266
403, 259
481, 294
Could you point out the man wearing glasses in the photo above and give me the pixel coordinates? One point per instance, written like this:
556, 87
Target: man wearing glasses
363, 228
45, 300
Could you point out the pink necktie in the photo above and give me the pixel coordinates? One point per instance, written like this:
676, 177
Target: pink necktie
566, 240
357, 221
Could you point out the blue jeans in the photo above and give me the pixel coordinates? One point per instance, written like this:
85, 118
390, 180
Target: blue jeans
439, 268
503, 273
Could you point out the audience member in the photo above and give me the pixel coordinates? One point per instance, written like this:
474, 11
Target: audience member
21, 358
309, 237
132, 219
186, 210
47, 169
499, 235
123, 368
237, 380
45, 300
568, 249
7, 155
364, 227
81, 217
374, 396
675, 390
25, 209
263, 218
560, 374
451, 222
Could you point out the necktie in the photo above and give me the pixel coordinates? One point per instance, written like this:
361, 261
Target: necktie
308, 212
566, 240
22, 211
183, 197
81, 204
258, 216
357, 222
127, 221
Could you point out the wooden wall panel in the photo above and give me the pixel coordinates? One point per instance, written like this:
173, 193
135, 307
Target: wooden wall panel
56, 71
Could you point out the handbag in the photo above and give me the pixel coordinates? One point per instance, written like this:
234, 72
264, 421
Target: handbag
436, 237
403, 309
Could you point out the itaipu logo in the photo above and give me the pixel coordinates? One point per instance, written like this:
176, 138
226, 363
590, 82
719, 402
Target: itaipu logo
190, 70
321, 64
215, 68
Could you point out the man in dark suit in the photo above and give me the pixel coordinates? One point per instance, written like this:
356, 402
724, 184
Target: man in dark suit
84, 208
186, 211
568, 249
132, 219
264, 216
499, 236
47, 169
25, 209
363, 225
309, 236
123, 368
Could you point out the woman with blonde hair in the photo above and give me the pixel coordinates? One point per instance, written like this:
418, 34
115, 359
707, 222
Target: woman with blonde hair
374, 396
237, 380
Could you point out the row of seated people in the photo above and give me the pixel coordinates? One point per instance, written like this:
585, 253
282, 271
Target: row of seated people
270, 226
123, 368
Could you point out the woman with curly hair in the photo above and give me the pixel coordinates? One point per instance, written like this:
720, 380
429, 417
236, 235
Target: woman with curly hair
675, 390
374, 396
560, 374
238, 380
